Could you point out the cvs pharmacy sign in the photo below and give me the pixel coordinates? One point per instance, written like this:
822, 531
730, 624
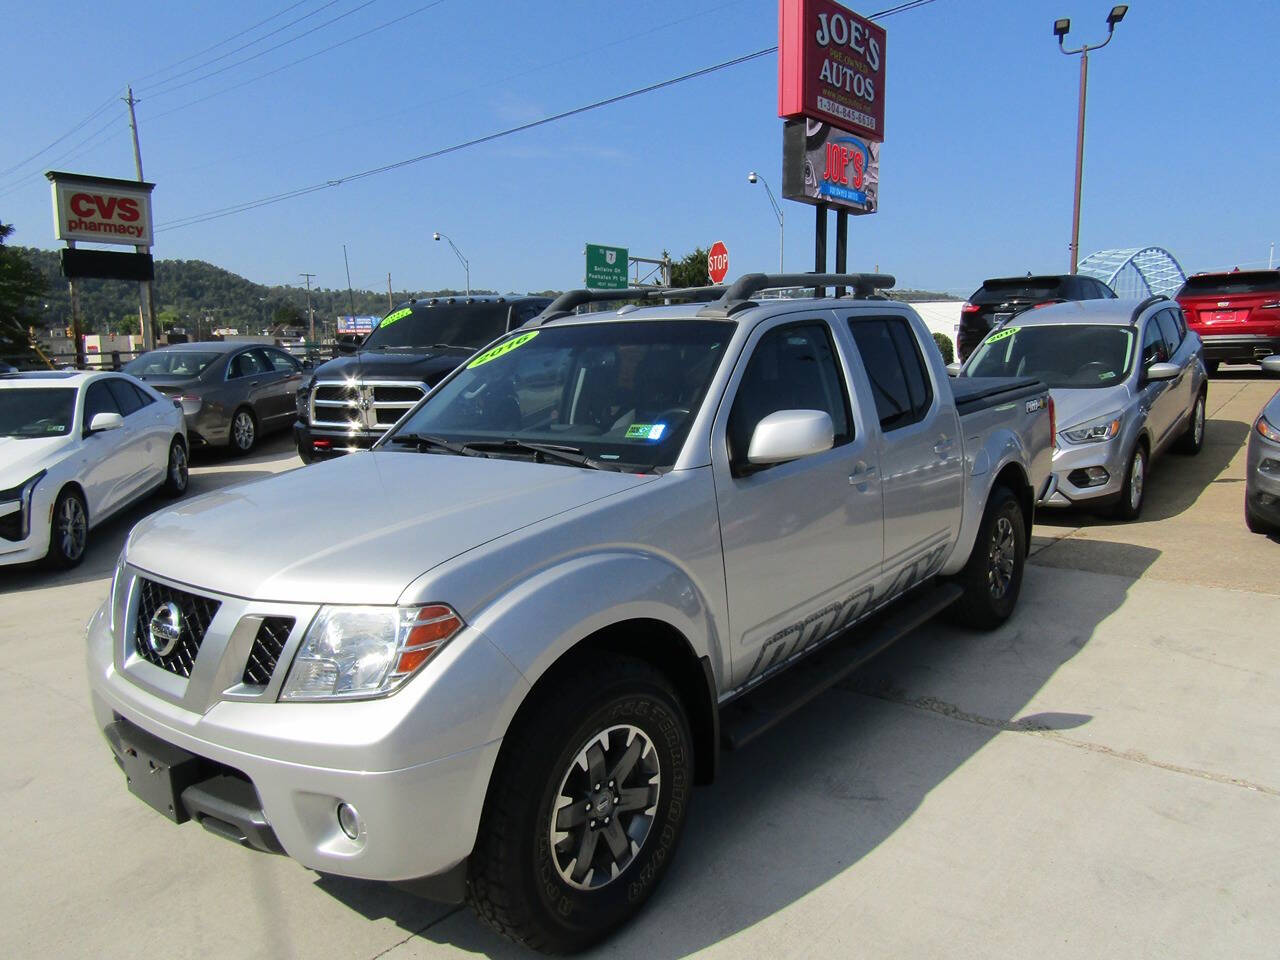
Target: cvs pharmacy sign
101, 210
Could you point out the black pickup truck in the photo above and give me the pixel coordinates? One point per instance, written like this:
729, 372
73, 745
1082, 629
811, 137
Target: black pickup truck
350, 401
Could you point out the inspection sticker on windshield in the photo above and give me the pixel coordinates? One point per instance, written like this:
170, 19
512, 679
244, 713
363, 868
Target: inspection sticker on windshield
391, 318
1108, 375
646, 431
1006, 332
502, 349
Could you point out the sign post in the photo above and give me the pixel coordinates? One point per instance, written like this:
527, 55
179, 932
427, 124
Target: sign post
718, 262
606, 267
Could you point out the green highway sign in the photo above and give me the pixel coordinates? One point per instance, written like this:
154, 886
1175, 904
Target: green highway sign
606, 267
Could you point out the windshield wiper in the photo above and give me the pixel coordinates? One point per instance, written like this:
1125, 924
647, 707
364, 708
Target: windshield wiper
554, 451
425, 441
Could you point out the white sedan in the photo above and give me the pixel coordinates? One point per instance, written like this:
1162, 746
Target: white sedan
75, 448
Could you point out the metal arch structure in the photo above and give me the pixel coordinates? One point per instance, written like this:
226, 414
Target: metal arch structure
1136, 273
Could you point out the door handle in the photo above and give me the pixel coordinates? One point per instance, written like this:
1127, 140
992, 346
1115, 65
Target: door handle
943, 445
862, 474
254, 383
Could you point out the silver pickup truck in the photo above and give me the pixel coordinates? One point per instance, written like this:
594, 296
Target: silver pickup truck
600, 550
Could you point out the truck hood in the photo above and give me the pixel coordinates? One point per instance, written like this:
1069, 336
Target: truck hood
1074, 407
428, 366
22, 458
358, 529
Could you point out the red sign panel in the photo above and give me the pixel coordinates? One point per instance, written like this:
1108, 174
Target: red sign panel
718, 262
831, 66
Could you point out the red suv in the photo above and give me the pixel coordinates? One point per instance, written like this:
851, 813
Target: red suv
1237, 314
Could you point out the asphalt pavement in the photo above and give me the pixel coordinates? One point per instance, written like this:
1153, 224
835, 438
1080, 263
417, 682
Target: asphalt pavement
1099, 777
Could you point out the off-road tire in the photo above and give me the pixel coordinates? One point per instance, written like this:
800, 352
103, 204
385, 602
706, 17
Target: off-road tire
992, 577
514, 883
1129, 506
1192, 440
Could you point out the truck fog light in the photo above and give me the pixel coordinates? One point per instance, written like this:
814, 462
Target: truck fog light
349, 820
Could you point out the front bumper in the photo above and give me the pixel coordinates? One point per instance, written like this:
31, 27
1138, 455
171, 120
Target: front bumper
36, 544
1262, 479
1239, 348
317, 443
1072, 466
414, 765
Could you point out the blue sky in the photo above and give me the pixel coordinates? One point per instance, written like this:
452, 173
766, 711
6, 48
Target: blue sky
977, 164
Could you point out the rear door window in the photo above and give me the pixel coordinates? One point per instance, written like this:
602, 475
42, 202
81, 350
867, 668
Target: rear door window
247, 364
895, 369
125, 396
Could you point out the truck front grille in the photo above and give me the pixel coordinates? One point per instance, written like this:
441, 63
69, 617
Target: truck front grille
267, 646
367, 405
161, 607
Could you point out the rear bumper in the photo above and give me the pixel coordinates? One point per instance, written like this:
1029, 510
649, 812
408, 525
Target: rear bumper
1239, 347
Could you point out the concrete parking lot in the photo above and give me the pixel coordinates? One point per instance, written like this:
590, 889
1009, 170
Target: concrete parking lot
1100, 777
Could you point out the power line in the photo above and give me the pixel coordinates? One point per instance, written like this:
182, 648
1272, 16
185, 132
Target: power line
262, 53
294, 63
46, 149
245, 206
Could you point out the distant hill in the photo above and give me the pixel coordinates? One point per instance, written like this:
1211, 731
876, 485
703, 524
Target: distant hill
189, 289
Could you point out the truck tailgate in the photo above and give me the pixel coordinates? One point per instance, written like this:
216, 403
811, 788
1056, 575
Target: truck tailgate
982, 393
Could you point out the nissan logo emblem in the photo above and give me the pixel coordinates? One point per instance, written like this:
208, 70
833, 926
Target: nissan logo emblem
165, 629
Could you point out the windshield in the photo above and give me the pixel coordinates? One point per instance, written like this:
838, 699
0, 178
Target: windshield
1062, 355
1002, 291
623, 393
455, 324
171, 363
1225, 284
44, 412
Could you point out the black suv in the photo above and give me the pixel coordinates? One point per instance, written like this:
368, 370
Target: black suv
998, 301
349, 402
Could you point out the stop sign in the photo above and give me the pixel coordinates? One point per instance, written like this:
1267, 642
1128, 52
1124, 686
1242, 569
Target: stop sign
718, 262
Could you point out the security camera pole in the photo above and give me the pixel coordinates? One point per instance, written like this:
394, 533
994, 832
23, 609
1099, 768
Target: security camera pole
461, 259
1060, 30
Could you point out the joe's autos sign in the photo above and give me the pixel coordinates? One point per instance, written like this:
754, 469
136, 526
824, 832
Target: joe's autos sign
822, 164
831, 66
101, 209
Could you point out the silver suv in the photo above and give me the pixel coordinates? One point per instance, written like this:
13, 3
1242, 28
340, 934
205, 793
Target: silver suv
1128, 381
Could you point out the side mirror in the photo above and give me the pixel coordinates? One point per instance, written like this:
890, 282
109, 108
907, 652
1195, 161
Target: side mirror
953, 369
1162, 371
105, 421
1271, 364
790, 435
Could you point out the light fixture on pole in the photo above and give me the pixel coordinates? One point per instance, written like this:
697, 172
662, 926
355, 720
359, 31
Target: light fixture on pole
752, 177
458, 253
1060, 30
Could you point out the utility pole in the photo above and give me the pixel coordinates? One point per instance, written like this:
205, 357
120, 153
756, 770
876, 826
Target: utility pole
147, 309
390, 304
311, 317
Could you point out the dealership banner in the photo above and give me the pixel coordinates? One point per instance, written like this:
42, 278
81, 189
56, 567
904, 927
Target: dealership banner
831, 66
827, 165
101, 209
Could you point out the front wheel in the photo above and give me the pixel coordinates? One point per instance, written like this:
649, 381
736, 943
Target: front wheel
1133, 492
1256, 523
586, 807
68, 531
177, 473
992, 578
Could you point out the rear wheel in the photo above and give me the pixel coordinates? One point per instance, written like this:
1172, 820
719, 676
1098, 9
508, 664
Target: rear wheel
1133, 493
586, 807
1212, 366
68, 530
244, 430
1193, 439
992, 578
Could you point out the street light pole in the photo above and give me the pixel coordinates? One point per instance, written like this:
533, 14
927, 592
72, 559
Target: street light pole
461, 259
752, 177
1060, 30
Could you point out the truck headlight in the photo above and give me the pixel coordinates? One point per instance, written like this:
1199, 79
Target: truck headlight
360, 652
1094, 431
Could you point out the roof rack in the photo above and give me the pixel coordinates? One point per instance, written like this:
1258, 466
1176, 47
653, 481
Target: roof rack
738, 296
1137, 311
565, 304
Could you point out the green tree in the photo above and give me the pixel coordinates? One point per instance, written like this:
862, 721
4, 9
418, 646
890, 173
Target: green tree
691, 270
287, 315
21, 285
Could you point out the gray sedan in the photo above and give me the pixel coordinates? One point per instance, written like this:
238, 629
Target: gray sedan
1262, 483
1128, 382
231, 392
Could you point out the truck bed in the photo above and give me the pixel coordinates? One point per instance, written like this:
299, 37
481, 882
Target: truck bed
981, 393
